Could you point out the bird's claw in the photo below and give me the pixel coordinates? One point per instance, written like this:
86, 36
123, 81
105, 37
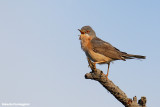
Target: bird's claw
107, 76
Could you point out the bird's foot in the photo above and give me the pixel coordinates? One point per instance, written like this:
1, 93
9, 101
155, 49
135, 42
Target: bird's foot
107, 76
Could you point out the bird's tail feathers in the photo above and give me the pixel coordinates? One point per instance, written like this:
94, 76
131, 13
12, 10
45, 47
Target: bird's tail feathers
130, 56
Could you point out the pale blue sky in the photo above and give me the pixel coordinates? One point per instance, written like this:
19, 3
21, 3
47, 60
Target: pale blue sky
41, 61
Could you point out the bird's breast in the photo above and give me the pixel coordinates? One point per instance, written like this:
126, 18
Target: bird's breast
85, 42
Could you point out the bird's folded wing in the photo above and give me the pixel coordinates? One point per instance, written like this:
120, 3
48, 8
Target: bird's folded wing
106, 49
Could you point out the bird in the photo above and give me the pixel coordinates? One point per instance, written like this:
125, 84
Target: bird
99, 51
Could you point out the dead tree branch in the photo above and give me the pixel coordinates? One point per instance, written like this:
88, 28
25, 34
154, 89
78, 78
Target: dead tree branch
99, 76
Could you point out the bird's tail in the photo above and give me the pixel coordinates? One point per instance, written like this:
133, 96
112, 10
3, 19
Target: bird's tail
130, 56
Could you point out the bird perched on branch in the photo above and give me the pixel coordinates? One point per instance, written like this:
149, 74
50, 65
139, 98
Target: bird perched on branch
99, 51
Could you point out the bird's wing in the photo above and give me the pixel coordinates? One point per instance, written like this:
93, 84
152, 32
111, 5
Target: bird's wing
106, 49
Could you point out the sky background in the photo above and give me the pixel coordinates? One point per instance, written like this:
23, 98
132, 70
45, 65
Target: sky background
41, 61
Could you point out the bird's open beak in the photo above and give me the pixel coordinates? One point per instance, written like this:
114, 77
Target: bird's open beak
81, 31
80, 35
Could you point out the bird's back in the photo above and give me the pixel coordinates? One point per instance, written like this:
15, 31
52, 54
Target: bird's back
106, 49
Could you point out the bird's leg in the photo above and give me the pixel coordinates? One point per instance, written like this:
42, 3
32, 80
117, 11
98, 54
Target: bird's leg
91, 64
108, 70
94, 65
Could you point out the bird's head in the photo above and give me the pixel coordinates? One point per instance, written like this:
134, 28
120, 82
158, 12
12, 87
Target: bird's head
88, 31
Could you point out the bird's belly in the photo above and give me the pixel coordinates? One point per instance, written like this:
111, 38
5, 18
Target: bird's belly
96, 57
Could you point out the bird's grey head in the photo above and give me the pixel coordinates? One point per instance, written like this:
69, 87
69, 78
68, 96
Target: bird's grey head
87, 30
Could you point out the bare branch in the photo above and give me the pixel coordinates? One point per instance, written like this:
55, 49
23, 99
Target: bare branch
99, 76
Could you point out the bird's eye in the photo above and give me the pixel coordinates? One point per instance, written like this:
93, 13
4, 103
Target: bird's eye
87, 31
